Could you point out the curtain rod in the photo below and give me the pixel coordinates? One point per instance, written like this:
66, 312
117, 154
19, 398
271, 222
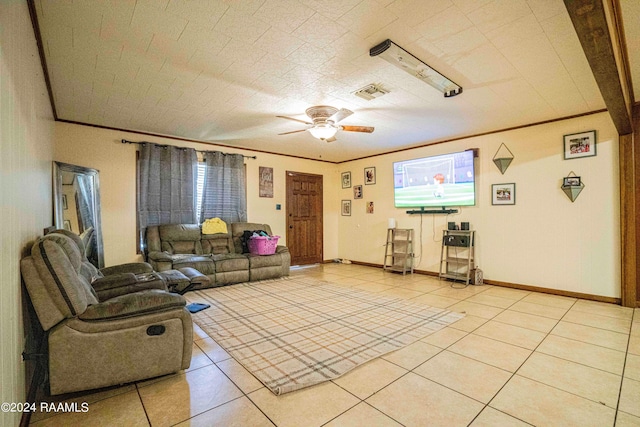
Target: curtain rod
124, 141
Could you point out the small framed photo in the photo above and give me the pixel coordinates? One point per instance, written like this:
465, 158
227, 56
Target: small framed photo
357, 191
369, 207
64, 202
571, 181
346, 179
503, 194
346, 208
369, 176
579, 145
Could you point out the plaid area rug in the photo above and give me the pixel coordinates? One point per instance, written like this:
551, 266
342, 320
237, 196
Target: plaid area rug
296, 332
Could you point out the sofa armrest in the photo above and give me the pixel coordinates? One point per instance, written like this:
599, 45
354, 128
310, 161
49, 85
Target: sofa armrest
281, 249
126, 283
113, 281
132, 267
158, 256
136, 304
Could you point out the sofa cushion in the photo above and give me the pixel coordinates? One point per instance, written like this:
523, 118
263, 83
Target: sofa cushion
180, 238
216, 244
203, 263
230, 262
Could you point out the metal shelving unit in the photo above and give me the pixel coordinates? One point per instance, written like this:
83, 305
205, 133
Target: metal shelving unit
398, 253
457, 255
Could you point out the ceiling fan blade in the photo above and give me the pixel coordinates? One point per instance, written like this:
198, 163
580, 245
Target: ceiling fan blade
293, 131
295, 120
333, 138
341, 114
367, 129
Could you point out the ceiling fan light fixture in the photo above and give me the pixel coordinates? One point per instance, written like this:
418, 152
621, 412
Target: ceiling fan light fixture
323, 131
395, 55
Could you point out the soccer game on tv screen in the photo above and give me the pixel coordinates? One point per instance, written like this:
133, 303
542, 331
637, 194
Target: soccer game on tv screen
444, 180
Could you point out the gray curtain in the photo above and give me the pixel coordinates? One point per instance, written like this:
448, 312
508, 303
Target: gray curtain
223, 194
167, 185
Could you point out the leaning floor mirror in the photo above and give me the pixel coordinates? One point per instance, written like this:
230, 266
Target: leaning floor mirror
76, 206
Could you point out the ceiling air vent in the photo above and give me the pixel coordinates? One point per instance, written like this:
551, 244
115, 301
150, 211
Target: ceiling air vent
370, 92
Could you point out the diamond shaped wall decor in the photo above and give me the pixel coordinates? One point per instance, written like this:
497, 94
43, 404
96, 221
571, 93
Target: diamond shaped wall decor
572, 185
503, 158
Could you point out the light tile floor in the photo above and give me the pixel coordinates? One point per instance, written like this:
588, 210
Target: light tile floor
518, 358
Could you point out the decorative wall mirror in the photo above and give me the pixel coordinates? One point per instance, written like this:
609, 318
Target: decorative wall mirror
76, 206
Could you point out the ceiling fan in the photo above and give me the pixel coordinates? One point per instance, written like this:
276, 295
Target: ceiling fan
324, 122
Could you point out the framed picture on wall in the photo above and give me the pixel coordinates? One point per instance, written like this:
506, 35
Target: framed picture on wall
369, 176
503, 194
357, 191
266, 182
346, 208
579, 145
346, 179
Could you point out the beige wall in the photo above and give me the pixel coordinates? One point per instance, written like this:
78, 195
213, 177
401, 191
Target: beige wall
544, 240
102, 149
26, 152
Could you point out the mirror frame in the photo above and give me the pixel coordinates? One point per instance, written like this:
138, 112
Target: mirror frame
58, 218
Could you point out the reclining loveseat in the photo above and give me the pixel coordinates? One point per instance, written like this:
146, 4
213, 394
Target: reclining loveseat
218, 256
128, 331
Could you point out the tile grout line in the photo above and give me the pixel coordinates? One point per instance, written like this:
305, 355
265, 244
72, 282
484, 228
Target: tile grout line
572, 393
244, 394
516, 372
624, 367
146, 414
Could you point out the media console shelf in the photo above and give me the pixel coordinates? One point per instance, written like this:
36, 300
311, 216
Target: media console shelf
398, 253
457, 255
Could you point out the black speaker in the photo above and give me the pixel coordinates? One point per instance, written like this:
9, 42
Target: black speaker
451, 226
456, 240
464, 225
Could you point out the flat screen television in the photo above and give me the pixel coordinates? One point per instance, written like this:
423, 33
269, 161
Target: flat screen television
435, 181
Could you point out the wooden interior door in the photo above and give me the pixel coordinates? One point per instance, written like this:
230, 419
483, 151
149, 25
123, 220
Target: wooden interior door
304, 218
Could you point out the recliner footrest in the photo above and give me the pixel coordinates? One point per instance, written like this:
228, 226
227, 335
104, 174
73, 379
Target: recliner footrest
196, 279
184, 279
176, 281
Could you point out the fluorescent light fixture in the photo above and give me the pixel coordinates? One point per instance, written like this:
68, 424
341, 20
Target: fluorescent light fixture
323, 131
394, 54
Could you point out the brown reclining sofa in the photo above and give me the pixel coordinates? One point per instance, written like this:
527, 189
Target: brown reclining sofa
219, 257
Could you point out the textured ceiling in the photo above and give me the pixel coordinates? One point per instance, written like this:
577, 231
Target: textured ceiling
221, 71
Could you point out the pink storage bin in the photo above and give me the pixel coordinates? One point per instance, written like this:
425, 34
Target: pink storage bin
261, 245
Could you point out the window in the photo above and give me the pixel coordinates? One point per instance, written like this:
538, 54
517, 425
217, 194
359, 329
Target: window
220, 187
202, 167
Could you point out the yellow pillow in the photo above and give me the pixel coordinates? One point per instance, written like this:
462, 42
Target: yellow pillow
214, 226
